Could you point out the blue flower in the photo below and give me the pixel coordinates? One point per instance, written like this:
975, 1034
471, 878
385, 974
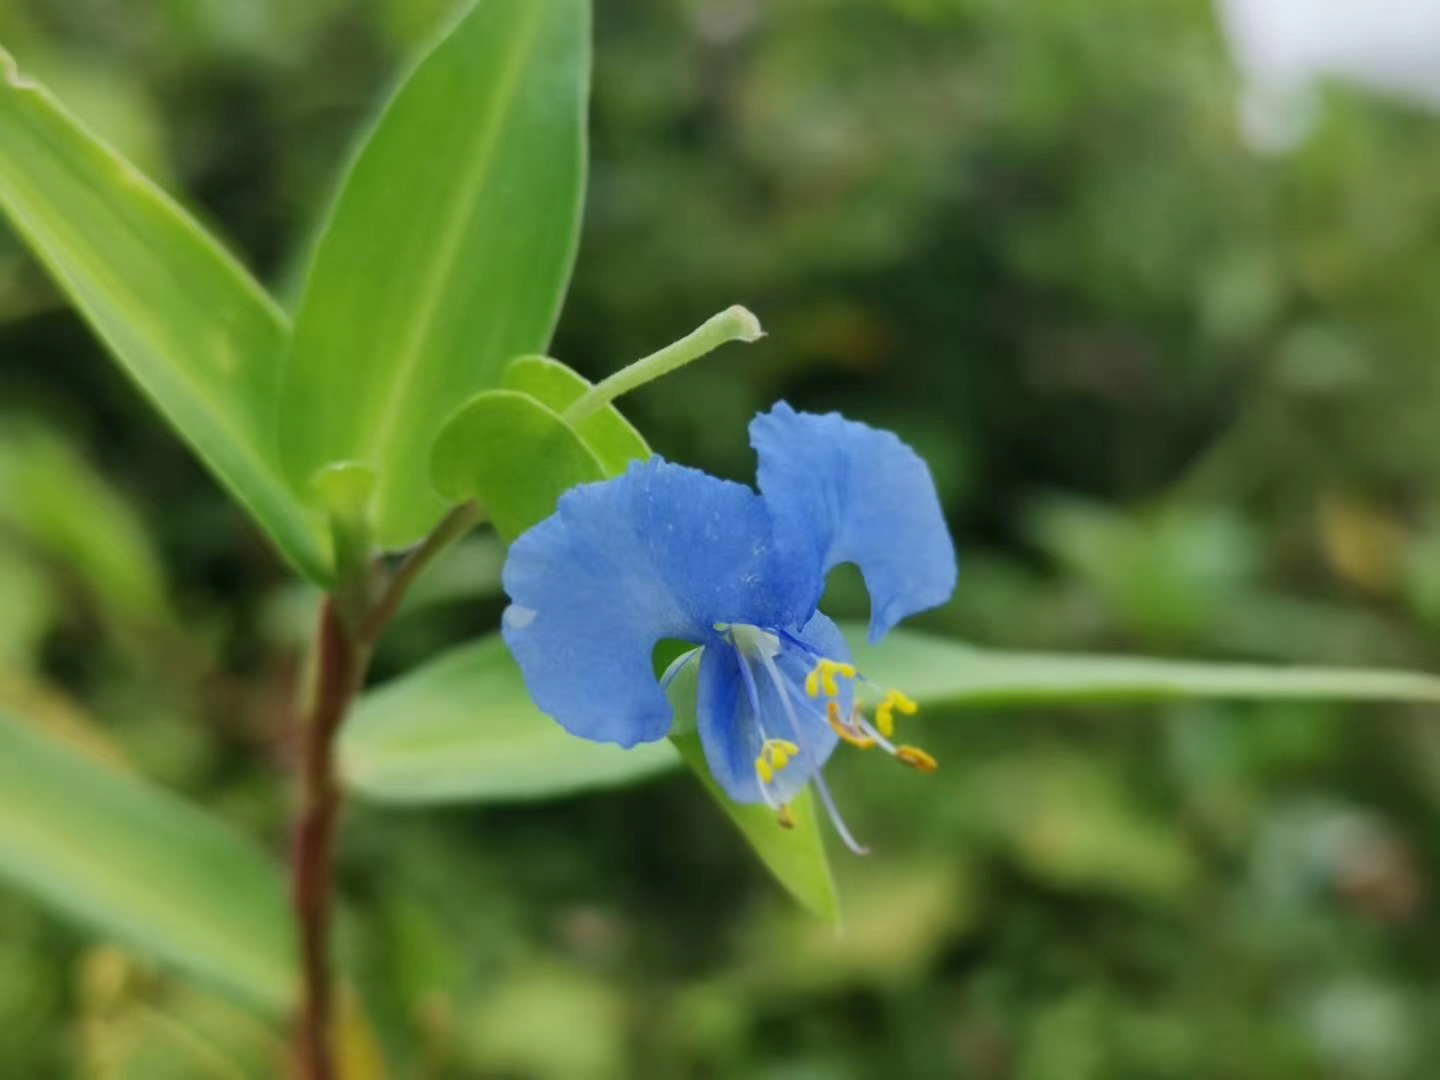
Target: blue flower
665, 552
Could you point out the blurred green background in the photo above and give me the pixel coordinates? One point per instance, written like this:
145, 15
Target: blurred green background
1180, 397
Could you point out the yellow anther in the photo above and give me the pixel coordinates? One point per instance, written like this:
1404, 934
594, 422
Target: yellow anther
916, 758
775, 754
846, 731
787, 819
885, 711
885, 718
824, 677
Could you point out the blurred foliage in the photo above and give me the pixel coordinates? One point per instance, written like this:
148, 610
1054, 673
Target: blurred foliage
1179, 396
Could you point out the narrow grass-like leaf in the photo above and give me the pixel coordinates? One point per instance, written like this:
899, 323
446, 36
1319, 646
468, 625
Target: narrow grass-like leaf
446, 254
938, 671
144, 867
443, 732
463, 728
183, 318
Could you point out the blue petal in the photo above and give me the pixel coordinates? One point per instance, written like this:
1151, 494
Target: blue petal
661, 552
842, 492
736, 713
731, 744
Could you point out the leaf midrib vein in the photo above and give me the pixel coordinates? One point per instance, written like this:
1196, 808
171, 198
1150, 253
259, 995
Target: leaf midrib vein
403, 381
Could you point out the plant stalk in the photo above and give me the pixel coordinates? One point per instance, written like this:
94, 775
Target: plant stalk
351, 620
340, 669
456, 524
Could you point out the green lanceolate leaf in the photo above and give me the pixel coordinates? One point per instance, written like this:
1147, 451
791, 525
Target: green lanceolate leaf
514, 455
795, 855
936, 671
446, 254
184, 320
142, 866
611, 437
454, 729
463, 728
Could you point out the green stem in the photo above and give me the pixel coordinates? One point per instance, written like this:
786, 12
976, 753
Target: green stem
455, 525
733, 324
351, 620
340, 671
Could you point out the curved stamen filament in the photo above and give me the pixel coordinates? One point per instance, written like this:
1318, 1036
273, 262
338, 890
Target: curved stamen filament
823, 788
824, 677
847, 731
861, 733
752, 692
766, 775
823, 683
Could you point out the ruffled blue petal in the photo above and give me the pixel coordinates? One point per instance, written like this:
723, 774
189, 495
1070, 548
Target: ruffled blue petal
661, 552
735, 713
838, 492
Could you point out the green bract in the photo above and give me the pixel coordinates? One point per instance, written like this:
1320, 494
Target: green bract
610, 437
513, 454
